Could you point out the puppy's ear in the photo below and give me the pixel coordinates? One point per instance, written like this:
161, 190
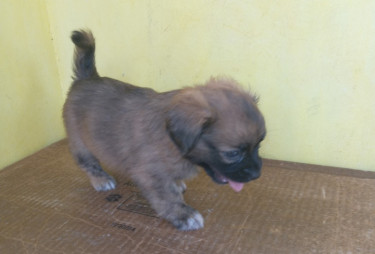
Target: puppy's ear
187, 118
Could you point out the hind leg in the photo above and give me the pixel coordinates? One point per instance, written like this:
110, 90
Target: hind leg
100, 180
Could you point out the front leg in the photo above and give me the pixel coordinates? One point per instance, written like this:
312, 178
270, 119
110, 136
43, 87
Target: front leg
184, 217
165, 197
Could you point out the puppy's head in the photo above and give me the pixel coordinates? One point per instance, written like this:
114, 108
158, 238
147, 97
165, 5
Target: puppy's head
218, 126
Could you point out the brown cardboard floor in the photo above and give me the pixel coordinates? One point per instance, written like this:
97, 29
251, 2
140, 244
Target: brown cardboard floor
48, 206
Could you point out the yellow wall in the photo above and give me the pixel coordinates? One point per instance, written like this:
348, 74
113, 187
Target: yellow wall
312, 62
30, 92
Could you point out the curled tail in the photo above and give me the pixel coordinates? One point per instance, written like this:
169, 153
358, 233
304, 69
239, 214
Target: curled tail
84, 55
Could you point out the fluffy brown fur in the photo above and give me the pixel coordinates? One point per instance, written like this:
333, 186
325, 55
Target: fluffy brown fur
158, 139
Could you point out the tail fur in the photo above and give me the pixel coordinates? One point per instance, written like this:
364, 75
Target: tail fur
84, 55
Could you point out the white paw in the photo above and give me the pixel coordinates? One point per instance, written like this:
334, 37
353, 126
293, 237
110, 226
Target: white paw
103, 183
181, 187
194, 222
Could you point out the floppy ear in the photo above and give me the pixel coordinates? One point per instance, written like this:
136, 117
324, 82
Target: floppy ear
187, 117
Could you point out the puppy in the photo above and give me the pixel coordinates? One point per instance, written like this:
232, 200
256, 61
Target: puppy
159, 139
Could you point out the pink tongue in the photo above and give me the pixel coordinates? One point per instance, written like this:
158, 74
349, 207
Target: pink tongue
236, 186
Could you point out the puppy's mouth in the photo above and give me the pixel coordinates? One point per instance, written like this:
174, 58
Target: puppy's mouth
220, 179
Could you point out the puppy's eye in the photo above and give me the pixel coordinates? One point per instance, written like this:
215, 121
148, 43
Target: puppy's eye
233, 155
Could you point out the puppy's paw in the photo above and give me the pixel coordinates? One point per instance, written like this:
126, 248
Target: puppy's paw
103, 183
189, 219
181, 186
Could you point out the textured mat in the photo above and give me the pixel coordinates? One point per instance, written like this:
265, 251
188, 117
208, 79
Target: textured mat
48, 206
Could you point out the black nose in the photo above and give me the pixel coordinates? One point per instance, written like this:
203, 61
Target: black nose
253, 174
